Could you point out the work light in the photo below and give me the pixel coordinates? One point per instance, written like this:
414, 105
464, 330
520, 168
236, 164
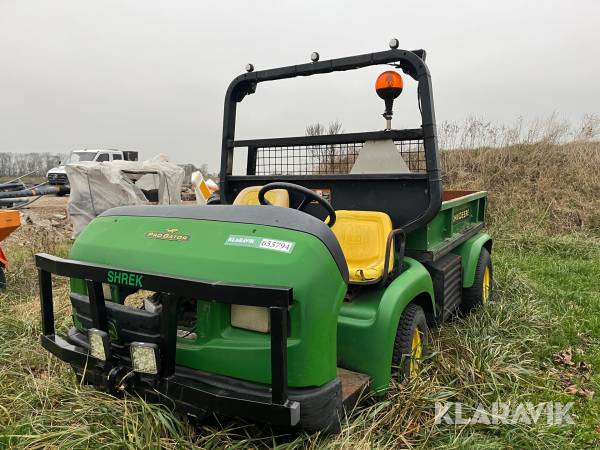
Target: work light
106, 291
254, 318
314, 56
249, 67
394, 43
99, 344
144, 357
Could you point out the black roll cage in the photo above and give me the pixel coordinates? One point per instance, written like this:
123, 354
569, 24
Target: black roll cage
411, 62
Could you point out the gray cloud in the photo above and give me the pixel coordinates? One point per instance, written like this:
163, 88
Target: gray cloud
151, 75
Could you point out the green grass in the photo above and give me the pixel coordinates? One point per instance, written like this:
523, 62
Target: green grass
547, 298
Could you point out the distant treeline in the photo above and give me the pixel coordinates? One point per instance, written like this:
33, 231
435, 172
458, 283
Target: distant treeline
17, 164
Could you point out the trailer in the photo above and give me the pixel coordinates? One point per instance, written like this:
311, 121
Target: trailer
316, 278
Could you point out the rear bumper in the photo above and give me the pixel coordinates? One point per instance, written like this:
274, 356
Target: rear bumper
195, 392
191, 391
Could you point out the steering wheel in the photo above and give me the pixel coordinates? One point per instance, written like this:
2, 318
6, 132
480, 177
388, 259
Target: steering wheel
309, 196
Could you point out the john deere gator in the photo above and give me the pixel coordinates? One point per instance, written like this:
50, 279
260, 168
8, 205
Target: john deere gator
313, 276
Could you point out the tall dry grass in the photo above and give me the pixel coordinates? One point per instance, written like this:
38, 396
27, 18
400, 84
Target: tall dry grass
474, 132
548, 179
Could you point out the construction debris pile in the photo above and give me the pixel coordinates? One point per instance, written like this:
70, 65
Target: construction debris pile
15, 193
99, 186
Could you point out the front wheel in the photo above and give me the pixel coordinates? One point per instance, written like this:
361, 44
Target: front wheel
410, 345
480, 293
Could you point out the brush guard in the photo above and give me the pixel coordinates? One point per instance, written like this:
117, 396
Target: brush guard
173, 386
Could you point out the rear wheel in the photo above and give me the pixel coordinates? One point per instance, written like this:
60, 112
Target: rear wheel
410, 345
480, 293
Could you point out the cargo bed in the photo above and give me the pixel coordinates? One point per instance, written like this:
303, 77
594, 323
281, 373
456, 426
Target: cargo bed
461, 216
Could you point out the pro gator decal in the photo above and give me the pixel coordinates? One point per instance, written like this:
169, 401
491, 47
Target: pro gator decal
170, 234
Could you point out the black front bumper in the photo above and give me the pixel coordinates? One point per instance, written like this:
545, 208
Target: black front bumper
190, 391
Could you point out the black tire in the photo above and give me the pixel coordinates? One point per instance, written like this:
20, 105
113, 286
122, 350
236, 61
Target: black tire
474, 296
2, 279
412, 318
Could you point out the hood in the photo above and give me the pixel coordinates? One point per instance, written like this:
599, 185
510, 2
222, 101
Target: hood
59, 169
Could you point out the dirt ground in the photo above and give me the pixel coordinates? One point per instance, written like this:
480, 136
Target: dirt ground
48, 215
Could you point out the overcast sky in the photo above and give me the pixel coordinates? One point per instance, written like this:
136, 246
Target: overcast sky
151, 75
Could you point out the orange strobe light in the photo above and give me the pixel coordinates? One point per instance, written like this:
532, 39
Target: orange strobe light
389, 86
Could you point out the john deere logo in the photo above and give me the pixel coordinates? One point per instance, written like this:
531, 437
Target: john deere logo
170, 234
461, 215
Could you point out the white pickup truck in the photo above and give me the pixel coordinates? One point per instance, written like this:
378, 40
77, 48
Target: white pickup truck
57, 175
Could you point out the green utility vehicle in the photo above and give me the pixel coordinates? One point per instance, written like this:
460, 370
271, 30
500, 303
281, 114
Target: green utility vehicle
314, 278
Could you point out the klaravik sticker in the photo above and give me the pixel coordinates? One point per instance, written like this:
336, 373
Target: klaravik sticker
260, 242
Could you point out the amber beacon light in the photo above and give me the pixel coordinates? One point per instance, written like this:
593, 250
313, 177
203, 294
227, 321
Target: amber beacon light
389, 86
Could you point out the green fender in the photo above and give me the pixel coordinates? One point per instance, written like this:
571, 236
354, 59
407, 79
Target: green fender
469, 252
367, 324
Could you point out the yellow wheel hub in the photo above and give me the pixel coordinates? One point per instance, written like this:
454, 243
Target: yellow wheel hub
485, 295
416, 353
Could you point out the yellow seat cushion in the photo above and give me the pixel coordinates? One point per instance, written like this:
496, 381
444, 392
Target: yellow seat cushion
249, 196
363, 237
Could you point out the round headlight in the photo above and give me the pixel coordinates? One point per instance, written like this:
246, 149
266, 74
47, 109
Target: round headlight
394, 43
249, 67
314, 56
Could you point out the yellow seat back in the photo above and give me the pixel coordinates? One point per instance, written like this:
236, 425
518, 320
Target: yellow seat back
363, 237
249, 196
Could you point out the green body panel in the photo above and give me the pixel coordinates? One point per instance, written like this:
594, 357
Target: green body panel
324, 331
454, 218
469, 253
367, 324
309, 269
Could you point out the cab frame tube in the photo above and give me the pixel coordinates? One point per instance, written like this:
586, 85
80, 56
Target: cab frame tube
411, 62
